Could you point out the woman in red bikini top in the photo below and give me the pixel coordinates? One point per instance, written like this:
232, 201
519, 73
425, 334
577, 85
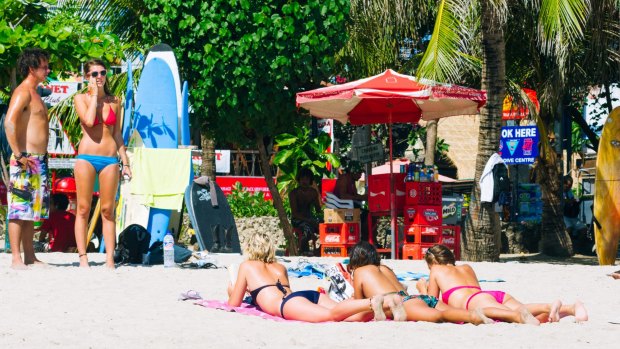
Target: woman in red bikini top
460, 288
98, 155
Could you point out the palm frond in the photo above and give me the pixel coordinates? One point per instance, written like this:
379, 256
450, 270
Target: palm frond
445, 58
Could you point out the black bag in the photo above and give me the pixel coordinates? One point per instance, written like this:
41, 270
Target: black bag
133, 242
156, 253
501, 182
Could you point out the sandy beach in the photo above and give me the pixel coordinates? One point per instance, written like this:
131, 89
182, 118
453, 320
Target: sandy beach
138, 307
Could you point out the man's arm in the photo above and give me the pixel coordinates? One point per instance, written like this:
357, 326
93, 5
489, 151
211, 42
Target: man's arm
19, 102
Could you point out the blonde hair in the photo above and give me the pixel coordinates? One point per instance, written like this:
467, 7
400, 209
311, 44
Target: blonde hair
439, 254
259, 247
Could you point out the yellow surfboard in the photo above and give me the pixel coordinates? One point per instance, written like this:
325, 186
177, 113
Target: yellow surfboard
607, 191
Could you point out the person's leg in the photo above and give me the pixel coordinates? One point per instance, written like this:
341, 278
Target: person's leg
15, 238
578, 310
499, 311
108, 186
418, 310
300, 308
84, 174
544, 312
28, 244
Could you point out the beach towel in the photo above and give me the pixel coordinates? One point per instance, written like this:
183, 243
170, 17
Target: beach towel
305, 268
244, 308
160, 176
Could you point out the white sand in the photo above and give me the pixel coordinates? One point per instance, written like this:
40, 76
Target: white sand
137, 307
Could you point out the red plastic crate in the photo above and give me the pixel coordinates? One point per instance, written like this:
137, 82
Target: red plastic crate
335, 250
423, 193
415, 233
451, 238
415, 251
379, 192
428, 215
339, 233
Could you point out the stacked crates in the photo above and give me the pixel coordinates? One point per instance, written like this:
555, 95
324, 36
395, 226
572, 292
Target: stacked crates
340, 231
422, 218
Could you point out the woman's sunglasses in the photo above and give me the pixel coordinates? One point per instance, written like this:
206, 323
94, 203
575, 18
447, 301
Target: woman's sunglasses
95, 74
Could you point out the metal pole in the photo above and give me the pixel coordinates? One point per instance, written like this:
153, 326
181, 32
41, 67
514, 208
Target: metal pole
392, 203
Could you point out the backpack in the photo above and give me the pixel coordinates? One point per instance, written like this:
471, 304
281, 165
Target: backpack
501, 184
133, 243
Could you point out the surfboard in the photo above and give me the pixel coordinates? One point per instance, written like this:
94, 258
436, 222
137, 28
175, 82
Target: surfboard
184, 120
607, 191
156, 120
215, 226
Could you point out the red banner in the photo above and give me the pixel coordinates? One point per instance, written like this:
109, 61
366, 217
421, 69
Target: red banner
250, 184
514, 111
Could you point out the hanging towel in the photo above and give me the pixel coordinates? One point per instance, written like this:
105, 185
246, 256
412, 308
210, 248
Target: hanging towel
160, 176
486, 180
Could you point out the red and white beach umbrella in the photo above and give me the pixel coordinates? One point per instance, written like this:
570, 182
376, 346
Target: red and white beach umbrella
390, 98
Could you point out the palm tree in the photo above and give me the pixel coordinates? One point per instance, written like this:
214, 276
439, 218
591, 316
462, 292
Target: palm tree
560, 27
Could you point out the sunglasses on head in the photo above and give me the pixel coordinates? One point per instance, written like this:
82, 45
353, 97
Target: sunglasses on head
95, 74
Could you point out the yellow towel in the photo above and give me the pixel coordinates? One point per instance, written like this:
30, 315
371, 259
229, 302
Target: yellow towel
161, 176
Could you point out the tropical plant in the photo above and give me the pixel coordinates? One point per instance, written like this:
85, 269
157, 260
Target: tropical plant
244, 62
299, 150
251, 204
554, 28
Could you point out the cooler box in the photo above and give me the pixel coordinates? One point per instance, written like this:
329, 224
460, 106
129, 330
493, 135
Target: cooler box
423, 193
452, 209
341, 215
422, 215
379, 192
339, 233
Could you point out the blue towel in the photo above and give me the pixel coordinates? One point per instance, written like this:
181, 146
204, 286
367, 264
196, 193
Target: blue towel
306, 269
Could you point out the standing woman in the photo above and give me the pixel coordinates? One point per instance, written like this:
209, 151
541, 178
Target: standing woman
98, 153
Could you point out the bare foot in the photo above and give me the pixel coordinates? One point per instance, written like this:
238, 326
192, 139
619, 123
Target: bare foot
527, 318
554, 312
19, 265
34, 261
615, 275
84, 261
376, 303
110, 265
581, 314
477, 317
396, 306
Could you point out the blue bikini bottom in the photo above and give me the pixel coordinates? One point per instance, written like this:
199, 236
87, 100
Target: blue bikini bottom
98, 162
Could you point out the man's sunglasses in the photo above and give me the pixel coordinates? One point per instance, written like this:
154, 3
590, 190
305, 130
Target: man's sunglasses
95, 74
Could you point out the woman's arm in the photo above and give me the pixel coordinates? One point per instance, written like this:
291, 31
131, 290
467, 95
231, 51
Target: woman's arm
433, 286
358, 287
120, 143
86, 105
238, 291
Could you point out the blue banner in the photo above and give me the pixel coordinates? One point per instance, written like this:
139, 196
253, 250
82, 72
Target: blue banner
518, 145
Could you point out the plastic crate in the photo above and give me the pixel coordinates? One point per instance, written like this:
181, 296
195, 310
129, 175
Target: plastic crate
335, 250
423, 193
379, 192
339, 233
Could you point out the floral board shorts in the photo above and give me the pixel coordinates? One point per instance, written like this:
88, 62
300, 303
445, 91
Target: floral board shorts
29, 190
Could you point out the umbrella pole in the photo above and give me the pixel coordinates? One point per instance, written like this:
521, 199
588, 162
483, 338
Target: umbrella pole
392, 196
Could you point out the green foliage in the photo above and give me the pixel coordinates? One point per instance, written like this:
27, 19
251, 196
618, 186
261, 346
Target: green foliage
441, 147
247, 204
69, 40
245, 60
298, 150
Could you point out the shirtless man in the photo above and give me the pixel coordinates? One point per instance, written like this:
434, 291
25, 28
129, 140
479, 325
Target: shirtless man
304, 199
27, 131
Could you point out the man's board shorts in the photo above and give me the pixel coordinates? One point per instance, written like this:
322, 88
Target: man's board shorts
29, 190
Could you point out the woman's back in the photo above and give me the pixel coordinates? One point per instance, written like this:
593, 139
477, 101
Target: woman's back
383, 281
271, 282
456, 283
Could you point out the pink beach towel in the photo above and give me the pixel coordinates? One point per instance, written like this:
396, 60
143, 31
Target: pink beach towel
245, 309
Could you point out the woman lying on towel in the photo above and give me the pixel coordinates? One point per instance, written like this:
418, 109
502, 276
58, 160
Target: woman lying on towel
267, 282
459, 288
371, 279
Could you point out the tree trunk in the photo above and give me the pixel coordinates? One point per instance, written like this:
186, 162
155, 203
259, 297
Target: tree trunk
291, 239
482, 237
431, 142
555, 241
208, 156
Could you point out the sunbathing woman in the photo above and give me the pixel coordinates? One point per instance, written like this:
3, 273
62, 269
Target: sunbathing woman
370, 278
268, 284
460, 288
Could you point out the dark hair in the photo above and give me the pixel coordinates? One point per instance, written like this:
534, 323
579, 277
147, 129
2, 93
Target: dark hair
60, 201
97, 61
362, 254
567, 179
439, 254
305, 173
31, 58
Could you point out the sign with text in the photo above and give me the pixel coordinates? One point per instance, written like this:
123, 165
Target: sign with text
369, 153
60, 91
58, 143
249, 184
518, 145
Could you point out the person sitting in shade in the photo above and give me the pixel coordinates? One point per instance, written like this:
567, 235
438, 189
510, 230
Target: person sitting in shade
305, 205
59, 227
346, 190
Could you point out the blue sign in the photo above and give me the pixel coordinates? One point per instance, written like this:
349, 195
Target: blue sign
518, 145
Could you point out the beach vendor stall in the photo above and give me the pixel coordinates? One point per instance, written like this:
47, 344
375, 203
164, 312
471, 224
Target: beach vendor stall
389, 98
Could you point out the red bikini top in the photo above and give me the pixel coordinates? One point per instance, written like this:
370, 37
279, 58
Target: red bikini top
110, 121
